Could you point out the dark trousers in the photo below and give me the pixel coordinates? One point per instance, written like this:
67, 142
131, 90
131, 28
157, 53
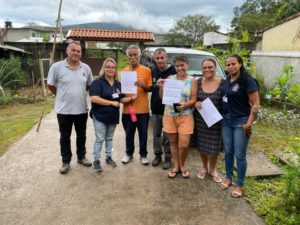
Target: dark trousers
161, 143
65, 123
130, 127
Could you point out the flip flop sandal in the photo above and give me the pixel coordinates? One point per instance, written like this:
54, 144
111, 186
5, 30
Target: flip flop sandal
216, 178
185, 174
202, 174
172, 174
237, 193
226, 183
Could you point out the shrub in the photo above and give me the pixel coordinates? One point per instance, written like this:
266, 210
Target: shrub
263, 90
284, 89
291, 183
11, 74
283, 120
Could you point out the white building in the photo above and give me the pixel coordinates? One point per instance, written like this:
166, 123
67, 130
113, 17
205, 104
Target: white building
215, 37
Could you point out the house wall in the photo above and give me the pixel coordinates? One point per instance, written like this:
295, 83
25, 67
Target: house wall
282, 37
15, 35
211, 38
270, 64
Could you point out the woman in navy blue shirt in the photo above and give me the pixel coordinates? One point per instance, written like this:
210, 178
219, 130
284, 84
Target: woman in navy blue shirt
240, 104
106, 96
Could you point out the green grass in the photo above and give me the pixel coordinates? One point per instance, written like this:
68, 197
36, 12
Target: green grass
17, 119
268, 196
265, 195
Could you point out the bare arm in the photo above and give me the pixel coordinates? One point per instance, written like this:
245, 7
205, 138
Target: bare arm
255, 103
193, 98
129, 99
52, 89
139, 83
160, 84
102, 101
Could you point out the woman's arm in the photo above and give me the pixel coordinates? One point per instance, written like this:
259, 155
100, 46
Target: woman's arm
255, 103
129, 99
193, 97
101, 101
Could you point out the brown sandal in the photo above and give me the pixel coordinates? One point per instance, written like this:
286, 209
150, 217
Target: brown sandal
226, 183
172, 174
185, 174
202, 173
216, 178
237, 193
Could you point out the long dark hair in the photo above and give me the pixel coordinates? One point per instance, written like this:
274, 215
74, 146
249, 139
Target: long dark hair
244, 74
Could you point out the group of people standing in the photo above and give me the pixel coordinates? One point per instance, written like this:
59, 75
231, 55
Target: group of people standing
236, 98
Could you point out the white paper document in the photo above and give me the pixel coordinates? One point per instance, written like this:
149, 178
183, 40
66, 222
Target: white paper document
128, 80
209, 112
172, 91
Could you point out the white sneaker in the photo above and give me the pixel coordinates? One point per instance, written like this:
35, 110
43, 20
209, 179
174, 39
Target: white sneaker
126, 158
144, 161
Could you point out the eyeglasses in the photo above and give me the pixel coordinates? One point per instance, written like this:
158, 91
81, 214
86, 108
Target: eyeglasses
110, 67
207, 67
133, 54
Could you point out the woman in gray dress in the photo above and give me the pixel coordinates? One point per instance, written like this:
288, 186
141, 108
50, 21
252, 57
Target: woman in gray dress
209, 139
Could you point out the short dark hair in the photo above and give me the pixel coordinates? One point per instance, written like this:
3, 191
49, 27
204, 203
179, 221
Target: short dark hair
159, 50
210, 60
181, 57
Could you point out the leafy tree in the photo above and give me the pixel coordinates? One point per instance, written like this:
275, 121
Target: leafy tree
255, 15
190, 30
46, 37
287, 8
174, 38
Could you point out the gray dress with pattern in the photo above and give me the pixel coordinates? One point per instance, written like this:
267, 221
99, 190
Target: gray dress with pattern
208, 139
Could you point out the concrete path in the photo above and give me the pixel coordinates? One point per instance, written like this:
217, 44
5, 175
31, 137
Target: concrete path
33, 192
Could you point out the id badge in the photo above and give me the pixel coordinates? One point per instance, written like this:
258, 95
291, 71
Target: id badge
115, 95
225, 99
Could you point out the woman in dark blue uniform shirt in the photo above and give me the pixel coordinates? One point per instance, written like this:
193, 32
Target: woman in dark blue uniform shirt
240, 104
106, 96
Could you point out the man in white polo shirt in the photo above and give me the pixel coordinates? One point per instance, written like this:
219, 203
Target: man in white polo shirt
69, 80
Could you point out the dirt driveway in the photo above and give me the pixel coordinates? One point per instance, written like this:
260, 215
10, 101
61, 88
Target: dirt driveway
32, 191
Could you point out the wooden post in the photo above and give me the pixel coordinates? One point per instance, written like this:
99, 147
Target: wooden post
42, 77
33, 89
55, 34
51, 62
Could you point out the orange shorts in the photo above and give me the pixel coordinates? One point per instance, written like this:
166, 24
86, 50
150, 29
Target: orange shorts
178, 124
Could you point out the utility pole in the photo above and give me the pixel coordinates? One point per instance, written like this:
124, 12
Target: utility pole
56, 30
51, 62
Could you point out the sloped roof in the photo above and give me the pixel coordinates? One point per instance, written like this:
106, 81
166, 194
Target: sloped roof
109, 35
12, 48
280, 22
218, 32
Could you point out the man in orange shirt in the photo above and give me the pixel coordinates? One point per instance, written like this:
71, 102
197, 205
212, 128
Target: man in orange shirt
140, 106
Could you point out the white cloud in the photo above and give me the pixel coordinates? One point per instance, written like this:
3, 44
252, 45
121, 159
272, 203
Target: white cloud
153, 15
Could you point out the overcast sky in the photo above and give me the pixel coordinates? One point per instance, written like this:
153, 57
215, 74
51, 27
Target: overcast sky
152, 15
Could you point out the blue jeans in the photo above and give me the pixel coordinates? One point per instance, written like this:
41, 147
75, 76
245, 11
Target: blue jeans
103, 132
235, 144
130, 128
161, 143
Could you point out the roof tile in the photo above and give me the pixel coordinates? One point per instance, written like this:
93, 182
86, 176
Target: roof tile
103, 35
